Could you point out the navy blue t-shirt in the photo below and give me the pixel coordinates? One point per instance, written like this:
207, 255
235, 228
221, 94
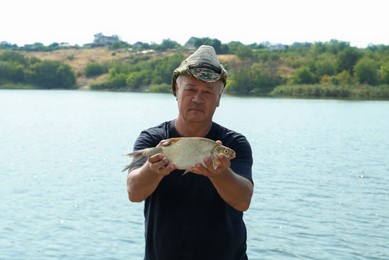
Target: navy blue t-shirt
185, 217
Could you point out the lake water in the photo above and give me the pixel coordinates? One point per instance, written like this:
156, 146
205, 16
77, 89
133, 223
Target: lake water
321, 172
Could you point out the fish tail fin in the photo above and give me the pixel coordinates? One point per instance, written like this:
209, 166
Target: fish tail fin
141, 154
137, 156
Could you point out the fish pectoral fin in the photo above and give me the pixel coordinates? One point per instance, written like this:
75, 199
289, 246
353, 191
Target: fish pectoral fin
126, 168
186, 171
214, 163
191, 169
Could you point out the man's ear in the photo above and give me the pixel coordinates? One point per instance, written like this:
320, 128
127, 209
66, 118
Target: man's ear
220, 94
176, 90
218, 101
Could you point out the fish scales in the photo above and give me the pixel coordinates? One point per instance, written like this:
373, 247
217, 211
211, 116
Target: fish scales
184, 152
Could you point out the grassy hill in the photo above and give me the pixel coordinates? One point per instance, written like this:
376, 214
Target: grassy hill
79, 58
304, 72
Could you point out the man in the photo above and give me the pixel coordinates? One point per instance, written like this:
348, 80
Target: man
198, 215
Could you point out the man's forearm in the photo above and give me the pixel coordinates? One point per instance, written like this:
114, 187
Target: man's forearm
141, 183
234, 189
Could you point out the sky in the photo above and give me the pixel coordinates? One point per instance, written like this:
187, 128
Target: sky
359, 22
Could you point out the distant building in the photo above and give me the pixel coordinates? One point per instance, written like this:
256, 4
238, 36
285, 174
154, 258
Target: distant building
102, 40
146, 52
190, 44
64, 45
277, 46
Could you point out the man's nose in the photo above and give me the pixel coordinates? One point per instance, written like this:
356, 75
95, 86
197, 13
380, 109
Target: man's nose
198, 97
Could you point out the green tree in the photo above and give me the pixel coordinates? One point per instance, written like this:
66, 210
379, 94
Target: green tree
166, 44
325, 65
240, 82
303, 75
335, 46
13, 56
11, 72
161, 71
208, 41
347, 58
51, 75
95, 69
115, 82
251, 80
343, 78
366, 71
233, 46
244, 52
137, 80
384, 73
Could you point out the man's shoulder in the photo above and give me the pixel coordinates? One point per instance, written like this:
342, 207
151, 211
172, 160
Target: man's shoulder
226, 134
233, 139
243, 161
159, 129
151, 136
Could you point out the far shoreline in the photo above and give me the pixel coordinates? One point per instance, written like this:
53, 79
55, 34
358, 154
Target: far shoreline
88, 88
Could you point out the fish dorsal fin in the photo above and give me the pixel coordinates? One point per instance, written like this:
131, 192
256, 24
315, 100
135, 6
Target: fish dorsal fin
174, 139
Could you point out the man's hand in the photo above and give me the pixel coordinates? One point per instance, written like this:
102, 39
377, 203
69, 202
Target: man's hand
159, 164
210, 169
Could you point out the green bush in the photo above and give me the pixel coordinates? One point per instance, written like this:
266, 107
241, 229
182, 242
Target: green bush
51, 74
303, 75
366, 71
18, 70
314, 91
95, 69
384, 73
160, 88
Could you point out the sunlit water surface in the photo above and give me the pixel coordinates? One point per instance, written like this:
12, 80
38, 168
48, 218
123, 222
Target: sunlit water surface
321, 172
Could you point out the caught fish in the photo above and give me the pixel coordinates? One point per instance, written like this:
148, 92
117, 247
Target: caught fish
184, 152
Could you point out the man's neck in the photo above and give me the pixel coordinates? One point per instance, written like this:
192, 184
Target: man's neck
195, 129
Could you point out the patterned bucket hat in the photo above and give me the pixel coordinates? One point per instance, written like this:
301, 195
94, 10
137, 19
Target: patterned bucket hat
203, 64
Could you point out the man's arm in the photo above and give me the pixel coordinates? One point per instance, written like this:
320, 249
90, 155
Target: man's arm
142, 181
234, 189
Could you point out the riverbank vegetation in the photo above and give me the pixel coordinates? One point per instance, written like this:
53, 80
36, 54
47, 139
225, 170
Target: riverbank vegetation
19, 71
331, 69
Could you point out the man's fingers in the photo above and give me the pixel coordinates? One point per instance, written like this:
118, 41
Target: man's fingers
160, 164
164, 143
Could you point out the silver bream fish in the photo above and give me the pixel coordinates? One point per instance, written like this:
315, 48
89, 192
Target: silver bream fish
184, 152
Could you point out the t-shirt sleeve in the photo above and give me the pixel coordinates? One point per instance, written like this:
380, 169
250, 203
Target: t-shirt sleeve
243, 162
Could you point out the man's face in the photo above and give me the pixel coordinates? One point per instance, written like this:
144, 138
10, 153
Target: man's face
197, 99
